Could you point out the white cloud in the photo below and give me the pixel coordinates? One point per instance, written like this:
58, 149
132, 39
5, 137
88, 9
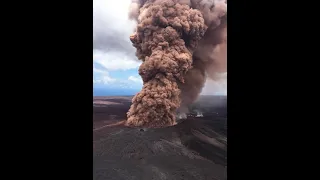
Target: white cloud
135, 79
101, 76
99, 71
114, 60
111, 31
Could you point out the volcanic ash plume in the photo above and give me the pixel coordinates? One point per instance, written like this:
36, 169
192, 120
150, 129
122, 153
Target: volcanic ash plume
175, 59
210, 57
166, 34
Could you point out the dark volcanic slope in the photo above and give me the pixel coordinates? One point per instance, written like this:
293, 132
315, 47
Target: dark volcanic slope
194, 149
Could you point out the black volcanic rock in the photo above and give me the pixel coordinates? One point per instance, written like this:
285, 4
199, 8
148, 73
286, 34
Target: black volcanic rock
196, 148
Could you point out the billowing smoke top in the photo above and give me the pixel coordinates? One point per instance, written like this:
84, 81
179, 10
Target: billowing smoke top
180, 42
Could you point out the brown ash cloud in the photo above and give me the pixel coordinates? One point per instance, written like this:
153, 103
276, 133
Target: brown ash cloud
180, 44
210, 57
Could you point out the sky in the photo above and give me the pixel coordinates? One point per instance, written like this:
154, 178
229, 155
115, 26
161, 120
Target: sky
115, 65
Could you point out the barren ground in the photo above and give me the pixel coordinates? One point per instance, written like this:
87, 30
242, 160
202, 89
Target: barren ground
194, 149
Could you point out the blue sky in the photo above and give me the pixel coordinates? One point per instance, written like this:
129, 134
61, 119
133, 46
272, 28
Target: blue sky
116, 78
115, 66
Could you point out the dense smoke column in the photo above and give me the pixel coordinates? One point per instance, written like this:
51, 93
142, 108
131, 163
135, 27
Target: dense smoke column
166, 36
210, 57
194, 82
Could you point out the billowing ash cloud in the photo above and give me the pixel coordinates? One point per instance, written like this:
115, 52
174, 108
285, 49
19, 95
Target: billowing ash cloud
181, 43
209, 59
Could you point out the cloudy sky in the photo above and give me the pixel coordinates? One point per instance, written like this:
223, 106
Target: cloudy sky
114, 63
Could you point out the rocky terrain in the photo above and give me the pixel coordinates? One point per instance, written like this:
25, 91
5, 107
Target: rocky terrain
194, 149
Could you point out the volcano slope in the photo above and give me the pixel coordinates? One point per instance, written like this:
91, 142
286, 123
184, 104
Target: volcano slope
195, 148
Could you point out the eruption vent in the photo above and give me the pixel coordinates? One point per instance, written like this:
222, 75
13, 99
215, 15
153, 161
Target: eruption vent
175, 59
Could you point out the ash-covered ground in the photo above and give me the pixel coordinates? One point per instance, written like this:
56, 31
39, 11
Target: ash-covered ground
194, 149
